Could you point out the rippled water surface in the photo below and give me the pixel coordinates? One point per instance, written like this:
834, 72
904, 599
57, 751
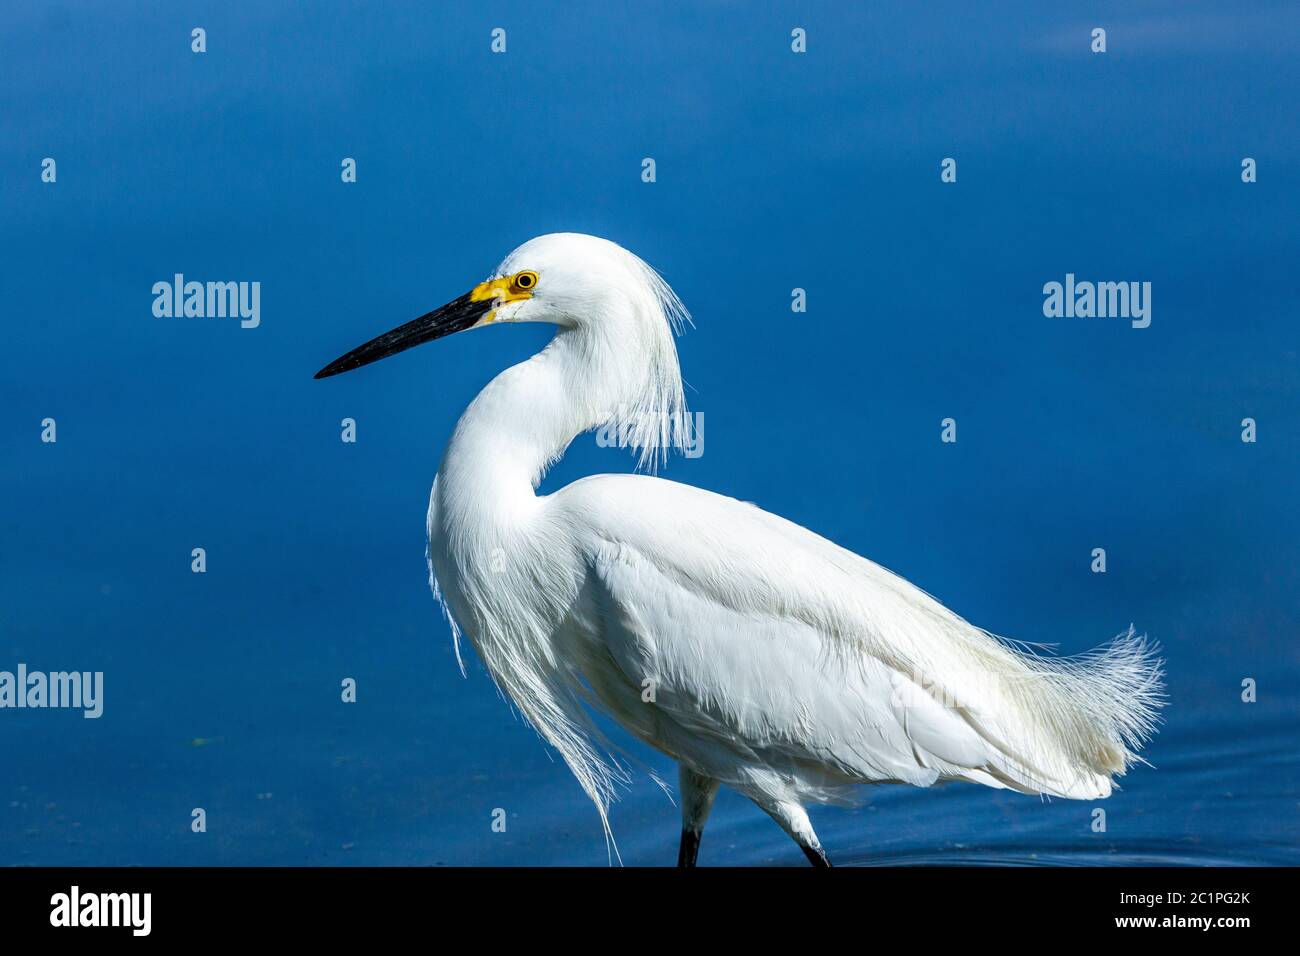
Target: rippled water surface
414, 778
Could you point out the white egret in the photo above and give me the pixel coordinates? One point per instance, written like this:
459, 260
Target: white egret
750, 650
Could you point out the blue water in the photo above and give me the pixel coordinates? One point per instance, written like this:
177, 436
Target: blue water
775, 170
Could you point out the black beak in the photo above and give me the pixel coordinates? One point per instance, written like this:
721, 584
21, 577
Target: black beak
455, 316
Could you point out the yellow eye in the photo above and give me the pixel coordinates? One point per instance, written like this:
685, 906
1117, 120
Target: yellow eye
525, 281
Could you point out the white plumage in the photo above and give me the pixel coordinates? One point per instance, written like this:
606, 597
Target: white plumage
752, 651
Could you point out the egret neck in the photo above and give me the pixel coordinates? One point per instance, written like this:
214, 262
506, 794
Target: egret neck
518, 426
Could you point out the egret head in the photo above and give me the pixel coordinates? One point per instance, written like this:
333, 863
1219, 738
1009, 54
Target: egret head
595, 291
565, 279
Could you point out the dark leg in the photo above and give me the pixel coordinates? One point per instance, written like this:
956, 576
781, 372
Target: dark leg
794, 821
697, 793
690, 848
816, 856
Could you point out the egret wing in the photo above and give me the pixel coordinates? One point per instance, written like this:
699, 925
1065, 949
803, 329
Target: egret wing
723, 620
